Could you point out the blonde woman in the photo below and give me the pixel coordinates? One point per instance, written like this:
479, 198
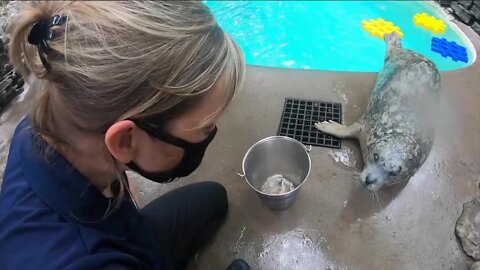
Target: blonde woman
120, 86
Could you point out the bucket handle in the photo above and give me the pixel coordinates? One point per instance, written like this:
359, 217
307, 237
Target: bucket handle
307, 147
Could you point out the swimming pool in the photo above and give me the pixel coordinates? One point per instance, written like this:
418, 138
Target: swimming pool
328, 35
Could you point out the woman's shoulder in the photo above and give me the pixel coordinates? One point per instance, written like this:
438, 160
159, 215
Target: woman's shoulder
30, 231
32, 235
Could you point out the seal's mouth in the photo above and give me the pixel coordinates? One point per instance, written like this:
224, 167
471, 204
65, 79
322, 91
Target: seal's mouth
373, 187
373, 178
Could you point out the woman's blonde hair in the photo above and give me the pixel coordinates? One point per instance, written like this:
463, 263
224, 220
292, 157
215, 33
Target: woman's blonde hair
117, 60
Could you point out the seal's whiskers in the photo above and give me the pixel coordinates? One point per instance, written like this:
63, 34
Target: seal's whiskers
355, 177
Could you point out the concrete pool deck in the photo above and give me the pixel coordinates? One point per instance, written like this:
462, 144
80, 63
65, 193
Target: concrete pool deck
334, 224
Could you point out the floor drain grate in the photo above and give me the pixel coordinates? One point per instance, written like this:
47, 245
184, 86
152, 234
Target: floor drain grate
300, 116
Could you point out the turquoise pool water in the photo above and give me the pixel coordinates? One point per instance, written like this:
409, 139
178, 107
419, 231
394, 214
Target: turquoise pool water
328, 35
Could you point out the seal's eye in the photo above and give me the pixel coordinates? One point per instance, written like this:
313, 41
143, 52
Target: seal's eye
392, 174
375, 157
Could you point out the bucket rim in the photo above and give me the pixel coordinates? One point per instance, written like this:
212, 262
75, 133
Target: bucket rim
305, 148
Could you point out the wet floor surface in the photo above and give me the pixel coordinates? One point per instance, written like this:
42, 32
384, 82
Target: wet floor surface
335, 223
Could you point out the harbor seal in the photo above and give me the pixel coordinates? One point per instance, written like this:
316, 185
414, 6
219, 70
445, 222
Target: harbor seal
396, 132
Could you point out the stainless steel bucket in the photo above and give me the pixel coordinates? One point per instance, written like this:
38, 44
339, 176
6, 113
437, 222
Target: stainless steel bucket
277, 155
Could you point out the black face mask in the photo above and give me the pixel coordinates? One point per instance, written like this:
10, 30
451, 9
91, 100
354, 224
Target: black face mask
192, 156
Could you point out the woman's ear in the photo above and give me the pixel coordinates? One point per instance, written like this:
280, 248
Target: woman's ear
119, 140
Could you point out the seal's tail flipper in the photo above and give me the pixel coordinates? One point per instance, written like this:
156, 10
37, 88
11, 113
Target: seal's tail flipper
393, 40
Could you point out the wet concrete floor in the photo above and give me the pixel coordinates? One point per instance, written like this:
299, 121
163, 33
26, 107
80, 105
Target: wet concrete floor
335, 224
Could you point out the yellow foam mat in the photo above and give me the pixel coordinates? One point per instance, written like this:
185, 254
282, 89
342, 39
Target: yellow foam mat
379, 27
429, 22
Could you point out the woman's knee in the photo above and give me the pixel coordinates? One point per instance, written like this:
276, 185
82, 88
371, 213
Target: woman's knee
217, 195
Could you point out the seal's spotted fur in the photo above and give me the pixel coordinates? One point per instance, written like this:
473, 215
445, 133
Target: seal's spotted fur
395, 133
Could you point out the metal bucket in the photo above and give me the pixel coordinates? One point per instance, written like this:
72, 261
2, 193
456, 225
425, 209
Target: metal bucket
272, 156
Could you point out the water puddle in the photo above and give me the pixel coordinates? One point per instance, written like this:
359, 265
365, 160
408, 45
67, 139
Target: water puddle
344, 156
294, 249
239, 242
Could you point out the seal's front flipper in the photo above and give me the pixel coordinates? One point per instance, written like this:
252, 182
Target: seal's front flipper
337, 130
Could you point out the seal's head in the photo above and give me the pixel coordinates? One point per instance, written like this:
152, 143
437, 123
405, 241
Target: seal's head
390, 161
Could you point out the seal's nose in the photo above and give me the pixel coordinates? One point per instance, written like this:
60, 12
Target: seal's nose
370, 180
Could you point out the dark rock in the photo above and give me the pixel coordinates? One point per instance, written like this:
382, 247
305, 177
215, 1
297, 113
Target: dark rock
476, 27
20, 82
445, 3
7, 68
466, 3
5, 84
7, 93
467, 229
11, 83
15, 76
462, 14
475, 11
